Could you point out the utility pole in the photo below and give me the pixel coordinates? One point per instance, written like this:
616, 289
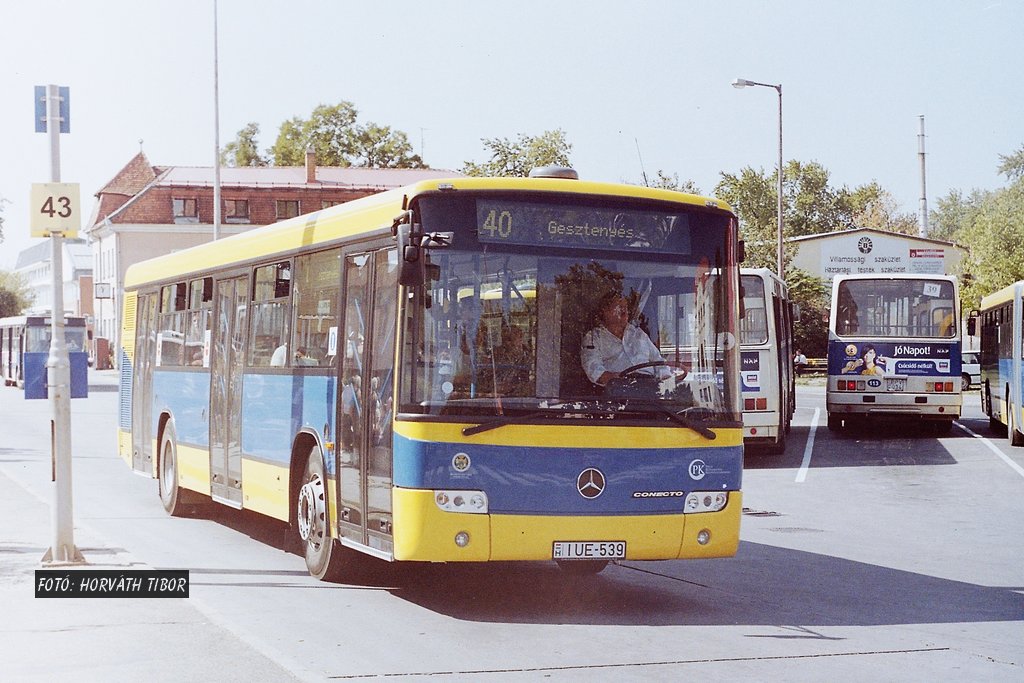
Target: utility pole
63, 209
923, 218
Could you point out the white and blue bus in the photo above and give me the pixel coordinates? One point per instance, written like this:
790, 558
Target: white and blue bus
766, 347
1002, 372
25, 348
894, 349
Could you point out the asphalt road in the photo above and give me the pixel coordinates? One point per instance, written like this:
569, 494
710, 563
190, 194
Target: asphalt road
886, 554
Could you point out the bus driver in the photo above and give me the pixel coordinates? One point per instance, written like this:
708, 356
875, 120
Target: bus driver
616, 344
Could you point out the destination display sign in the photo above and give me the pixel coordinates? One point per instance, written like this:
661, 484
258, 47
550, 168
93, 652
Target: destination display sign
541, 224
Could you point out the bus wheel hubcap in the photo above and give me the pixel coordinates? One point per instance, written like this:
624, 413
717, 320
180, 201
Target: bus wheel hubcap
311, 511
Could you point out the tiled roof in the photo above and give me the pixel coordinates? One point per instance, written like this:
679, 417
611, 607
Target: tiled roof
284, 176
131, 179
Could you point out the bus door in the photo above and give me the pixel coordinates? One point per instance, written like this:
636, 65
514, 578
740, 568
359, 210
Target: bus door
366, 398
226, 357
142, 383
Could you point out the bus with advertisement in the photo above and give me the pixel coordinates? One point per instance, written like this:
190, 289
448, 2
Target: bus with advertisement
894, 349
1002, 369
400, 376
766, 347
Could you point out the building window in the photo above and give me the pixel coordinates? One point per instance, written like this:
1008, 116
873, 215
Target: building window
185, 210
328, 203
236, 210
287, 208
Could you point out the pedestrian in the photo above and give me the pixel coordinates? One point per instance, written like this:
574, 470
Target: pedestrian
800, 362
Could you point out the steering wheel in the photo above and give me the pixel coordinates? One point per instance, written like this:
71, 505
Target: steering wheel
681, 374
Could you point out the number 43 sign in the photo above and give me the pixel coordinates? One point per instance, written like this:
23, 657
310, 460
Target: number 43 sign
55, 209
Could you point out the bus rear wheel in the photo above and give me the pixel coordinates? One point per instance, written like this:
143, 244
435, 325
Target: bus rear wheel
171, 495
1012, 431
324, 554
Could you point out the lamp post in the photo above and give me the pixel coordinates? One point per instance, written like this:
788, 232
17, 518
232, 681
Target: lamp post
743, 83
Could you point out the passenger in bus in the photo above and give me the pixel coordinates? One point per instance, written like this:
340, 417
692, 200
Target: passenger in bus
615, 344
869, 363
302, 358
280, 357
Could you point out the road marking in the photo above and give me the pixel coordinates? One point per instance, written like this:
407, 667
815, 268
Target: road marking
802, 474
995, 449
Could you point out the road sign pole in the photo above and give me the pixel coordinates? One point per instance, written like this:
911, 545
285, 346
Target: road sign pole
58, 373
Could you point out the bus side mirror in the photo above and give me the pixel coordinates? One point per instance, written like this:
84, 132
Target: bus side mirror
741, 251
410, 271
972, 326
796, 313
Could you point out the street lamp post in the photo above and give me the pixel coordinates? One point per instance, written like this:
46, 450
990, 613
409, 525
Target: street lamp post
743, 83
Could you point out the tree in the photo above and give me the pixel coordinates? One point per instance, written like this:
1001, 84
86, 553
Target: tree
752, 196
517, 158
337, 139
1012, 165
242, 151
15, 295
953, 213
876, 208
380, 147
664, 182
811, 294
995, 235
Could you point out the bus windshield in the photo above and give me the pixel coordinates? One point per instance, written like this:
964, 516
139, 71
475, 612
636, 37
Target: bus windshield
904, 308
507, 317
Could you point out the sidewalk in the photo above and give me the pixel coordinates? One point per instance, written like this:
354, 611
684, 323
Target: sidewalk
100, 639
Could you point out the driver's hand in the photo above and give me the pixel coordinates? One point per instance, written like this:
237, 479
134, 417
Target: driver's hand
606, 377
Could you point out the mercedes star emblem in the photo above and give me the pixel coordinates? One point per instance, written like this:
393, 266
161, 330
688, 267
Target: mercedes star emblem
590, 483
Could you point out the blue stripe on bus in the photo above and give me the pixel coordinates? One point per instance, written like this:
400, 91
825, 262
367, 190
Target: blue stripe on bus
541, 480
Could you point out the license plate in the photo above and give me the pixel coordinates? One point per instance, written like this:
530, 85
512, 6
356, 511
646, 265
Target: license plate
589, 550
895, 384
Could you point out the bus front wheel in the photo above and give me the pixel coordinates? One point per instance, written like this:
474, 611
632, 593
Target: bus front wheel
324, 554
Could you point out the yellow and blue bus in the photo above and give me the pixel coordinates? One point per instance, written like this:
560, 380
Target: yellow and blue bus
1002, 375
894, 349
766, 347
401, 375
25, 349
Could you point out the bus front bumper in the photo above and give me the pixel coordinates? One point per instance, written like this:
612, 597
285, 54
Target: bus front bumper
424, 532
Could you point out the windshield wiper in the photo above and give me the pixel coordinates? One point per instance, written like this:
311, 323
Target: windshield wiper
528, 417
690, 424
502, 421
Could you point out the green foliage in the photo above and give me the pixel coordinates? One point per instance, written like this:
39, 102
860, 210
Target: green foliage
994, 235
243, 151
334, 134
810, 206
811, 294
952, 214
516, 158
664, 182
15, 295
1012, 165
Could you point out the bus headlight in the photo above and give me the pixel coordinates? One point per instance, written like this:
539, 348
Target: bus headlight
473, 502
705, 501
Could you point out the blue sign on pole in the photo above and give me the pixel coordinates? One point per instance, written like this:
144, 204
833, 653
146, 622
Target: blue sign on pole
64, 109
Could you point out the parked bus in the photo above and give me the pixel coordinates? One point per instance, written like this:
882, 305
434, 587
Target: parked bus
25, 348
401, 375
894, 349
766, 348
1002, 375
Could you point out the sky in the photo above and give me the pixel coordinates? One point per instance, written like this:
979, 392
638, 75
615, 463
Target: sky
637, 87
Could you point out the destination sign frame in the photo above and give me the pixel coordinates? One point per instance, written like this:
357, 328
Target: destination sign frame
542, 224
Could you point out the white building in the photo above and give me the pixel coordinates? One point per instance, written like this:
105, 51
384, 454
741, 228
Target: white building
34, 264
